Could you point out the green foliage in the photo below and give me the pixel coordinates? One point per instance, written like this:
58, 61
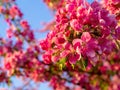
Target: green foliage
61, 63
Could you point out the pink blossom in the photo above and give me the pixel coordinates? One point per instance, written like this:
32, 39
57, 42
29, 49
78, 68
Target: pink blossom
14, 11
24, 24
9, 33
70, 7
73, 58
77, 43
86, 36
44, 44
47, 58
75, 25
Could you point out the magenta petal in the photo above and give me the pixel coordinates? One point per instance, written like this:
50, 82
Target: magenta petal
86, 36
55, 58
47, 58
90, 53
73, 58
75, 24
117, 33
77, 43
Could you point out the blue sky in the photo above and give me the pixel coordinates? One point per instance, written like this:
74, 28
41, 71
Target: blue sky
35, 12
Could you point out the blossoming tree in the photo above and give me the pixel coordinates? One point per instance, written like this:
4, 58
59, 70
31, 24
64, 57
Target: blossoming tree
80, 52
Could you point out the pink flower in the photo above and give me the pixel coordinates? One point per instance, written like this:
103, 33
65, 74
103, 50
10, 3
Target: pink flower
75, 25
44, 44
77, 44
90, 53
19, 44
47, 58
24, 24
55, 59
113, 7
81, 12
14, 11
70, 7
59, 40
73, 58
64, 53
8, 66
67, 46
86, 36
9, 33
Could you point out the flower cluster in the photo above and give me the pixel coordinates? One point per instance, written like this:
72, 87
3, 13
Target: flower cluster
85, 31
82, 51
19, 44
85, 38
113, 6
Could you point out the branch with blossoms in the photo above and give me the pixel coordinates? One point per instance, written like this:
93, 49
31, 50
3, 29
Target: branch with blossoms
81, 50
86, 38
13, 52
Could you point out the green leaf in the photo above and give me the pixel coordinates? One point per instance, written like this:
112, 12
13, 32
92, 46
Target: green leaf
104, 85
61, 66
61, 63
83, 63
63, 60
73, 67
